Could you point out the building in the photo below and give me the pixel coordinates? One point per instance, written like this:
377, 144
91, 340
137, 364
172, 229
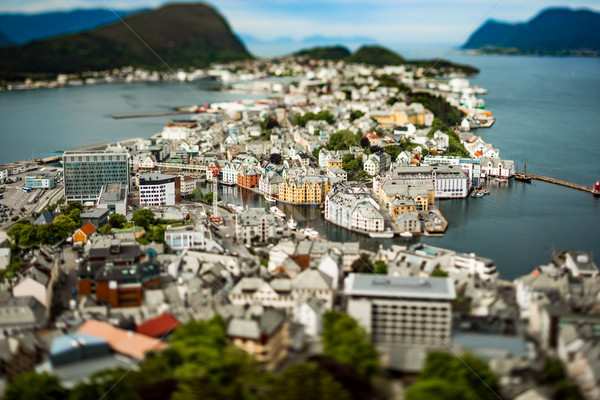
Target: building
276, 293
304, 189
377, 163
113, 197
337, 174
493, 166
44, 180
96, 216
353, 208
248, 176
3, 175
448, 181
269, 182
82, 234
255, 225
402, 310
86, 172
199, 238
262, 333
159, 190
188, 184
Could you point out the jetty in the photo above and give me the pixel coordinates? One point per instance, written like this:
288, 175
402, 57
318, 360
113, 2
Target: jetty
152, 114
561, 183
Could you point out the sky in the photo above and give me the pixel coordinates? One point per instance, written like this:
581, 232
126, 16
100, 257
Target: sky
385, 21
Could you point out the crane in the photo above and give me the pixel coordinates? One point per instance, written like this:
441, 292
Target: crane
215, 211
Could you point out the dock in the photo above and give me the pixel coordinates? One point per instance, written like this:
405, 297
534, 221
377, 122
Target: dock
152, 114
561, 183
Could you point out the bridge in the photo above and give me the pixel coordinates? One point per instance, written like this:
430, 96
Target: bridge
561, 183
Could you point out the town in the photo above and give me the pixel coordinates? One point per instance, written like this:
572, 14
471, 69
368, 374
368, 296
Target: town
109, 251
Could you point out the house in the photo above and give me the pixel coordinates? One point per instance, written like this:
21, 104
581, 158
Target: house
262, 333
46, 217
310, 315
18, 354
304, 189
21, 314
255, 225
408, 222
276, 293
338, 174
248, 176
159, 326
82, 234
493, 166
269, 182
315, 283
131, 344
376, 163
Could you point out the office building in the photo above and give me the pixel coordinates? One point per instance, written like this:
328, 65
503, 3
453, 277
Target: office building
85, 172
159, 190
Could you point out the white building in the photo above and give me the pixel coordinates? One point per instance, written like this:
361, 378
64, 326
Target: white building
493, 166
402, 310
310, 315
255, 225
198, 239
230, 173
448, 181
269, 183
159, 190
113, 197
276, 293
3, 175
353, 207
188, 184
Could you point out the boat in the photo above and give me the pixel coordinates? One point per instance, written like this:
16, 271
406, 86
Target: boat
292, 224
381, 235
309, 232
478, 194
501, 180
596, 189
270, 199
523, 177
239, 209
484, 191
406, 234
277, 212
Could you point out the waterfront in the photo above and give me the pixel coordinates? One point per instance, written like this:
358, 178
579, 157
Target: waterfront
546, 110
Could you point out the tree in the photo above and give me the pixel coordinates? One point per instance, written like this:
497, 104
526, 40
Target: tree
196, 194
364, 142
439, 273
362, 265
342, 140
392, 150
306, 381
106, 229
276, 158
156, 234
356, 114
315, 151
110, 385
35, 386
424, 152
143, 217
467, 373
208, 197
438, 389
375, 149
117, 220
380, 267
348, 343
64, 226
23, 233
347, 158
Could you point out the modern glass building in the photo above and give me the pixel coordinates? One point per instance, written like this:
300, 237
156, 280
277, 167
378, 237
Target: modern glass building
85, 172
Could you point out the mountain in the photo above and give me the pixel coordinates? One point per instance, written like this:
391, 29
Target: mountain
325, 53
181, 34
329, 40
375, 55
4, 40
553, 31
23, 28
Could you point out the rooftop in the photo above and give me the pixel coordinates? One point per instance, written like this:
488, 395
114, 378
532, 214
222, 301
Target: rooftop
370, 285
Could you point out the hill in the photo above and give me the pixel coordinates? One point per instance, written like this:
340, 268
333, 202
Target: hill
4, 40
325, 53
181, 34
23, 28
375, 55
553, 31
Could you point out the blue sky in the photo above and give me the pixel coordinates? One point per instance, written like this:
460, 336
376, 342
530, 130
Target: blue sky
386, 21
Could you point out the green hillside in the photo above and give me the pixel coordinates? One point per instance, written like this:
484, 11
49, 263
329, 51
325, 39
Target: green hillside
190, 34
375, 55
325, 53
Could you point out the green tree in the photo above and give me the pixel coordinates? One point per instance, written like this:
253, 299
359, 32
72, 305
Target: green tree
64, 226
380, 267
440, 273
143, 217
342, 140
466, 372
196, 194
306, 382
156, 234
23, 233
36, 386
110, 385
315, 151
439, 389
208, 197
348, 343
392, 150
117, 220
347, 157
106, 229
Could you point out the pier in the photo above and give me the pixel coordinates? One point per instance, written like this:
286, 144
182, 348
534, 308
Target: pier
153, 114
561, 183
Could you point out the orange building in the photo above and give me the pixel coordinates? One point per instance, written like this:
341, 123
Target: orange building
248, 177
82, 234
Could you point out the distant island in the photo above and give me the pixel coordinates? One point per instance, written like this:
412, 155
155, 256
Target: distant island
379, 56
190, 34
554, 31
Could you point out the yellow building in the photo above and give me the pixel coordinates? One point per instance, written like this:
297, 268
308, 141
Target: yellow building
335, 161
310, 189
400, 114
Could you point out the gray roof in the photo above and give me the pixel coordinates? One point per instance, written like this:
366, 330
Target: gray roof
312, 278
409, 287
94, 213
21, 311
253, 216
252, 327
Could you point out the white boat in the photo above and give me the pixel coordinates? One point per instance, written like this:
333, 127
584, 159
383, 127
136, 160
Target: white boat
275, 210
292, 224
270, 199
406, 234
239, 209
381, 235
309, 232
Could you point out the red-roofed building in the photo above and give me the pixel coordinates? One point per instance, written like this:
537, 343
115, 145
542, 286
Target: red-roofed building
82, 234
159, 326
131, 344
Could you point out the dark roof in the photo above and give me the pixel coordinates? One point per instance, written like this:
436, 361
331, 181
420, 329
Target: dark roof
138, 273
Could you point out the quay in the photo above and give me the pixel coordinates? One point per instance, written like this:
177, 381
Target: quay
153, 114
561, 183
